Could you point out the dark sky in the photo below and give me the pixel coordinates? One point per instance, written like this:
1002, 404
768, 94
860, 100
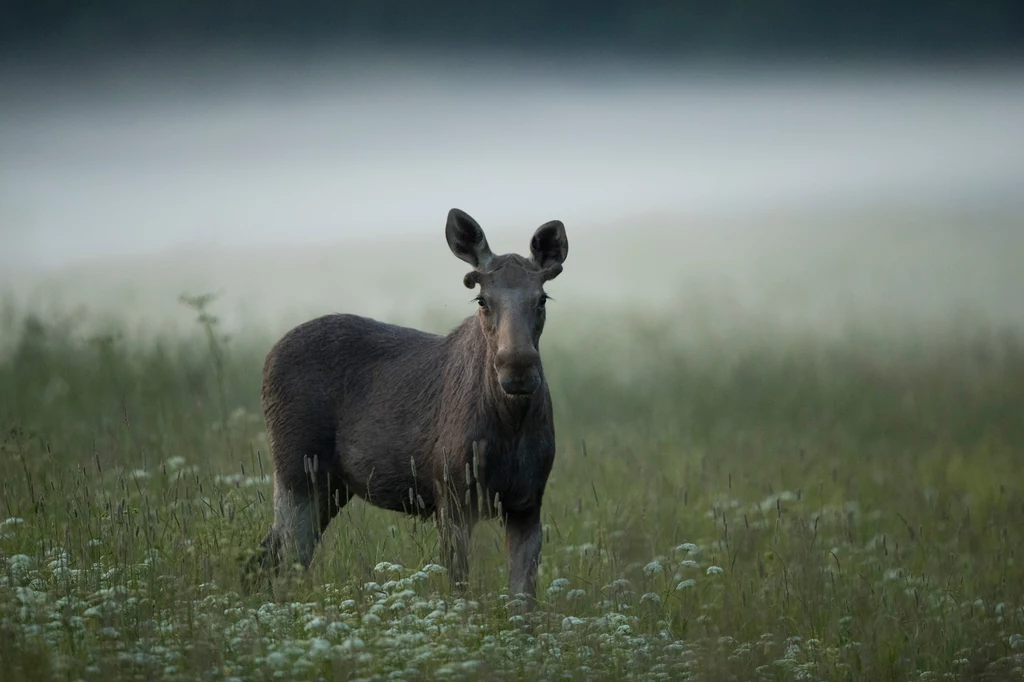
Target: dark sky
726, 28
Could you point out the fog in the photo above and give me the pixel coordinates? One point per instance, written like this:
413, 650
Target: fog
308, 184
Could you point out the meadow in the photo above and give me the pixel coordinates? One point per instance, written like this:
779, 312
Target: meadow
734, 498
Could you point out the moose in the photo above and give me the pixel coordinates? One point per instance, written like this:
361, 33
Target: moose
456, 427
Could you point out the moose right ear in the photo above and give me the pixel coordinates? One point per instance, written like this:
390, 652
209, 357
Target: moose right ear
466, 239
549, 245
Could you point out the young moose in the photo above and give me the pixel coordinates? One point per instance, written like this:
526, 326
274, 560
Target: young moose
458, 426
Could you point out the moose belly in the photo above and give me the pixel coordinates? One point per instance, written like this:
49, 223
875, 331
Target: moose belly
387, 480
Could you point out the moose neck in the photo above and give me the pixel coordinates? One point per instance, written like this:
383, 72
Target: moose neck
511, 412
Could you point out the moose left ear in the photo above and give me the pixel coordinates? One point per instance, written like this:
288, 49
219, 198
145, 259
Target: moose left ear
466, 239
549, 245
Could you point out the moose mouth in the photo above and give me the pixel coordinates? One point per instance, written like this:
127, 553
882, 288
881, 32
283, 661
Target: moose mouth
519, 387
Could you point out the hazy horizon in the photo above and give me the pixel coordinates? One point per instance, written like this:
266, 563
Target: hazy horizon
128, 163
123, 185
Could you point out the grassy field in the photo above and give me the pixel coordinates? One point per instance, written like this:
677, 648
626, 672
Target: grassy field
727, 503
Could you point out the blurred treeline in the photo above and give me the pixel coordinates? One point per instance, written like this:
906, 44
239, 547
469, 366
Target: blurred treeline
925, 28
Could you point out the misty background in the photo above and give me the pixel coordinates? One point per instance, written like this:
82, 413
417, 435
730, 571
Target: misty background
791, 161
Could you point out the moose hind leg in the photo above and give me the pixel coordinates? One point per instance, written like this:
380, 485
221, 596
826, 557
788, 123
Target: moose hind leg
303, 512
296, 527
301, 515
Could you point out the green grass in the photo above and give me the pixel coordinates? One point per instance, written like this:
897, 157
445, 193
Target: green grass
742, 504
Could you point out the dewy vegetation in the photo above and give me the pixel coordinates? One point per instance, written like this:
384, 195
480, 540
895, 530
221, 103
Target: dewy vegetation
776, 507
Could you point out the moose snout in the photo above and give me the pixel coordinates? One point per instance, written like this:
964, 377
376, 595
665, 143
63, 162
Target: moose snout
518, 370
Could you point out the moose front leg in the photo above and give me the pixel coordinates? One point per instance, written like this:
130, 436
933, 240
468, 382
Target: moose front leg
523, 540
454, 530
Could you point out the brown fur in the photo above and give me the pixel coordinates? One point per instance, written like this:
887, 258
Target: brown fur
457, 427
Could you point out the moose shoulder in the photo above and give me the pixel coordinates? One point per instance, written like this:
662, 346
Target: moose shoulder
457, 427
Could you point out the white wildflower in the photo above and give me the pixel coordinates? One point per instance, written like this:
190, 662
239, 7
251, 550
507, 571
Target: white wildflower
319, 648
174, 463
277, 660
570, 622
620, 584
352, 644
19, 562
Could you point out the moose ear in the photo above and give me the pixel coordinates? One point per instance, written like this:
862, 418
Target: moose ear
466, 239
549, 245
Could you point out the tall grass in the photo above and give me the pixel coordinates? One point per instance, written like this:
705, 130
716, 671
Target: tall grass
724, 505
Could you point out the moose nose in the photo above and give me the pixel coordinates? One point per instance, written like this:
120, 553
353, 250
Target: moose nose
517, 371
516, 359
